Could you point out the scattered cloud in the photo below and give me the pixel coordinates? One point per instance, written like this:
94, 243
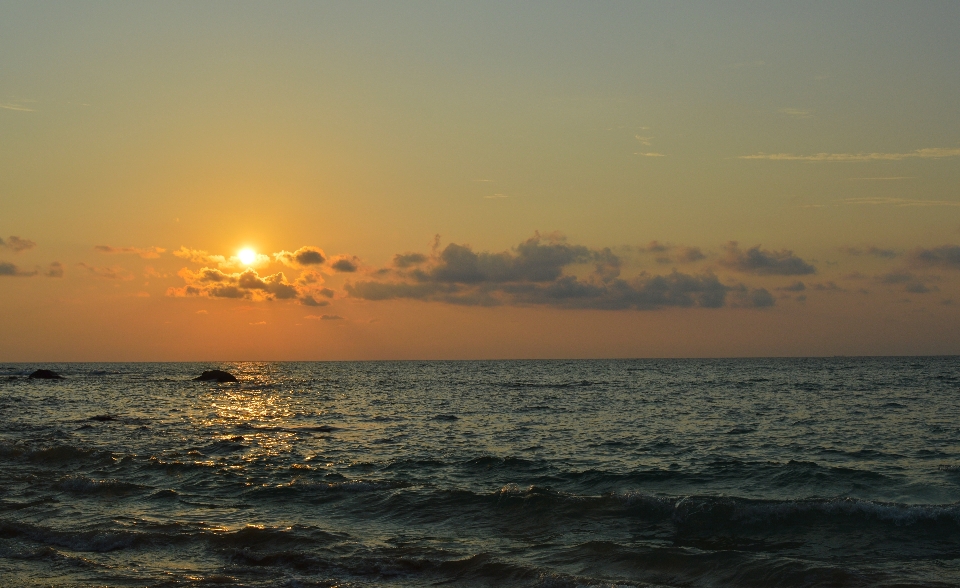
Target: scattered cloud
876, 200
918, 288
16, 244
763, 262
688, 254
107, 273
495, 196
678, 253
826, 287
148, 253
199, 257
895, 278
797, 286
345, 263
310, 300
928, 153
647, 141
324, 317
55, 270
743, 297
405, 260
872, 251
911, 283
303, 257
945, 256
650, 154
656, 247
533, 273
243, 285
11, 270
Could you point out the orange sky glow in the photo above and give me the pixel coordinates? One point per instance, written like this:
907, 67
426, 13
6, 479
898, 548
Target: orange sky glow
311, 181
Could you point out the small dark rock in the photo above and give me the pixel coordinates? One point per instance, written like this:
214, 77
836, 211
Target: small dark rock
46, 375
103, 418
215, 376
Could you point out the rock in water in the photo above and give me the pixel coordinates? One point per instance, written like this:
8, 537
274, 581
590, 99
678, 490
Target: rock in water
216, 376
46, 375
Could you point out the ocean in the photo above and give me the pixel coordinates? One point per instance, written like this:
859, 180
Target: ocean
680, 472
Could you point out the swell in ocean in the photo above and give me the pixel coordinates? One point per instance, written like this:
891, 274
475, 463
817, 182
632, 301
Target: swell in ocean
789, 472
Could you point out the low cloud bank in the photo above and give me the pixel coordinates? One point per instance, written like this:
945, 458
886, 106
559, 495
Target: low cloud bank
534, 273
762, 262
16, 244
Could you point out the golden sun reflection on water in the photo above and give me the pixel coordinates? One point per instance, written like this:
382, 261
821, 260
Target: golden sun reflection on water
257, 419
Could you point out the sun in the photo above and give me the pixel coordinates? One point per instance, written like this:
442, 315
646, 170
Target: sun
247, 256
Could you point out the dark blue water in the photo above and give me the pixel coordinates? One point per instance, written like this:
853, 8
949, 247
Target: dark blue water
781, 472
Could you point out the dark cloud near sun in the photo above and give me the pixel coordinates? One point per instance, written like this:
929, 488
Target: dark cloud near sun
303, 257
533, 273
16, 244
246, 284
345, 263
763, 262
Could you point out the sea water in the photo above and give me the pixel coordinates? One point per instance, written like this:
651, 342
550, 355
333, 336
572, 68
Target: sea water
740, 472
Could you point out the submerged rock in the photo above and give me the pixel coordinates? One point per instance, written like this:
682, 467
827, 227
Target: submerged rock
46, 375
216, 376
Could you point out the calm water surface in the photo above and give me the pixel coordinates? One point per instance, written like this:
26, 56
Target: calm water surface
785, 472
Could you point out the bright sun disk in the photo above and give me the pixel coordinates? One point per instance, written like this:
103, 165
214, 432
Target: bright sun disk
247, 256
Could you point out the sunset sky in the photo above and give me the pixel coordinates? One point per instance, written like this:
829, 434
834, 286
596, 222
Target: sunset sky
486, 180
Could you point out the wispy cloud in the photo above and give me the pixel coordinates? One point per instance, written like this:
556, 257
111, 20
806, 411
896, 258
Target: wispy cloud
148, 253
877, 200
796, 112
494, 196
323, 317
928, 153
108, 273
303, 257
871, 250
651, 154
17, 107
644, 140
17, 244
885, 179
